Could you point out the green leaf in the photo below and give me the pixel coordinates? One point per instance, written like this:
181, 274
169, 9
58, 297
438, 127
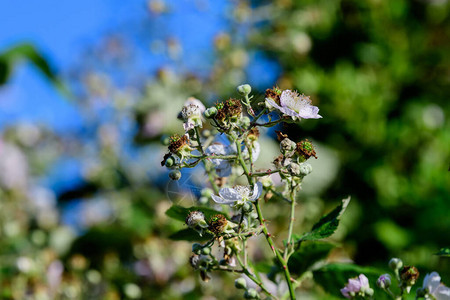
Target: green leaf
333, 277
190, 235
310, 253
444, 252
27, 52
180, 213
326, 226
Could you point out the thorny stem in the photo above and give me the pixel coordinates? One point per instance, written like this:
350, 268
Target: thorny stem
250, 275
277, 253
264, 173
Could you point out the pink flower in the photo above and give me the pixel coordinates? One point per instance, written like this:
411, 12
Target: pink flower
357, 286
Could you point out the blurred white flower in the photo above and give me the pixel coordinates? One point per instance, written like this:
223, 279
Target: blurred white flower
238, 195
434, 289
295, 106
222, 166
13, 167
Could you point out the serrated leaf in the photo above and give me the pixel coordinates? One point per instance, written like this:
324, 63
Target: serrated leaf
333, 277
444, 252
180, 213
326, 226
190, 235
310, 253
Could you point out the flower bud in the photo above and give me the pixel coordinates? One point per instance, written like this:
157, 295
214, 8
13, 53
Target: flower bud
251, 294
395, 263
210, 112
175, 175
384, 281
287, 147
248, 207
165, 140
240, 283
244, 89
206, 251
305, 169
202, 200
170, 161
206, 192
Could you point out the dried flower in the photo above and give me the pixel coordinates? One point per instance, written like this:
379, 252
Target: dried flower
306, 149
409, 275
294, 105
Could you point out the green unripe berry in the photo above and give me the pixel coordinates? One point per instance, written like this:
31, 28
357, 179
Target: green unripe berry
170, 162
240, 283
210, 112
165, 140
206, 251
251, 294
244, 89
175, 175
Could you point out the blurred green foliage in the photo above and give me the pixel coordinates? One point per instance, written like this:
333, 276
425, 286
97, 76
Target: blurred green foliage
378, 70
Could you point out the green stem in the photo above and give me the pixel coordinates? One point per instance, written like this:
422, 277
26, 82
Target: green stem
265, 173
247, 272
277, 253
242, 162
289, 243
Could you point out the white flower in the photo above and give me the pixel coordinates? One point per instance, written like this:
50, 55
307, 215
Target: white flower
222, 166
434, 288
296, 106
238, 195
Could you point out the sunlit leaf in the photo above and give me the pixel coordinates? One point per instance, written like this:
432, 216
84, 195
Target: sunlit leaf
444, 252
308, 255
326, 226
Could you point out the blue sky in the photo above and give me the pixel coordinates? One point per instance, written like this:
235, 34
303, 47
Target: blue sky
63, 29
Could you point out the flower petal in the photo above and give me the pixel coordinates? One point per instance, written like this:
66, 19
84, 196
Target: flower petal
273, 103
363, 280
442, 293
230, 194
257, 191
220, 200
432, 282
309, 112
